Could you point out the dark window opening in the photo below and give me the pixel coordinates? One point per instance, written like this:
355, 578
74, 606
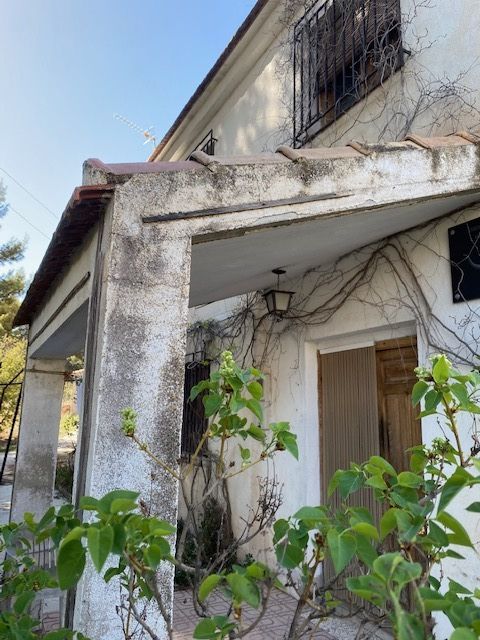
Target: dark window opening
194, 422
207, 145
343, 49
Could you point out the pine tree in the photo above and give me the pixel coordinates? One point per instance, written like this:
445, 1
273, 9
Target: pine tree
12, 282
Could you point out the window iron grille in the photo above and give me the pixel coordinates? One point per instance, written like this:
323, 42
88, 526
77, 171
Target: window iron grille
207, 144
194, 422
343, 49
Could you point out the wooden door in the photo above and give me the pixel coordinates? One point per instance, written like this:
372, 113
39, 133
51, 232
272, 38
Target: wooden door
348, 413
365, 409
398, 426
349, 432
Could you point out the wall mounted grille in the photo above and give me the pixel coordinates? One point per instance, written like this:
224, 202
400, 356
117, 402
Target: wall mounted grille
342, 50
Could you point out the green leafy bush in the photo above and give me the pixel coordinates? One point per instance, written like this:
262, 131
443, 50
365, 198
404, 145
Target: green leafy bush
397, 554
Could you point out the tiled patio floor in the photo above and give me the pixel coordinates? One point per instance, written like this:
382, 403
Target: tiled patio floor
273, 625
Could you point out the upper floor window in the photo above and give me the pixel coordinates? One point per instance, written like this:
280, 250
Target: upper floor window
342, 50
207, 144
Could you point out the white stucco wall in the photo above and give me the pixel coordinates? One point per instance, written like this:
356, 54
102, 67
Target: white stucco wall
378, 311
249, 104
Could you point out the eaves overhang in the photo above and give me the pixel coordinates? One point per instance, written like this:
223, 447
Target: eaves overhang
83, 210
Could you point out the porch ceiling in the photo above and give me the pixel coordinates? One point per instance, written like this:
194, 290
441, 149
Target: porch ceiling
295, 209
231, 266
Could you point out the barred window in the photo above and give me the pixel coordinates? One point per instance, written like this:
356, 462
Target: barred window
194, 422
342, 50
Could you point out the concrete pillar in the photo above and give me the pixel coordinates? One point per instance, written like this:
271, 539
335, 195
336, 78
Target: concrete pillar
140, 337
38, 437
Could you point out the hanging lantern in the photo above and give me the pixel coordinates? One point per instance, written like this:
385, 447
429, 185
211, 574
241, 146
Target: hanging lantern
277, 300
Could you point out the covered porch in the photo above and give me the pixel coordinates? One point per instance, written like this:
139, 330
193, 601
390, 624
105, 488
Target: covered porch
141, 244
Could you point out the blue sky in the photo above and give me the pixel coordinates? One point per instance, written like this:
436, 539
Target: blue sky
66, 66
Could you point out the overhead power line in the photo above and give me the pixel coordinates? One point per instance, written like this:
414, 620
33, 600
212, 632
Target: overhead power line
30, 193
10, 208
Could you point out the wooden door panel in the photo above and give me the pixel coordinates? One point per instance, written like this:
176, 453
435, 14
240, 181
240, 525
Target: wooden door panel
398, 424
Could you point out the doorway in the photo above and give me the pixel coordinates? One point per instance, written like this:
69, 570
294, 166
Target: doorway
365, 407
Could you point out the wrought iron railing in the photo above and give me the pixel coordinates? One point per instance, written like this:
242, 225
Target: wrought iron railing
207, 144
342, 50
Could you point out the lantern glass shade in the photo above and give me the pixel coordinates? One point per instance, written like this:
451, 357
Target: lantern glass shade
278, 302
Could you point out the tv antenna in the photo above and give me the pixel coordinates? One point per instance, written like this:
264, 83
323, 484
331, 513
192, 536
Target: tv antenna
146, 133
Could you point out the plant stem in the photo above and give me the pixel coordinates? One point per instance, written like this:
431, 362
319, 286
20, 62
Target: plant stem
450, 414
160, 463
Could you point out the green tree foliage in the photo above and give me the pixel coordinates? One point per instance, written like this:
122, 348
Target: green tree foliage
12, 359
12, 343
12, 282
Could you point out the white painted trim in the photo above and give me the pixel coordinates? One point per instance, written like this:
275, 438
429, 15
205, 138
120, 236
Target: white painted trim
365, 338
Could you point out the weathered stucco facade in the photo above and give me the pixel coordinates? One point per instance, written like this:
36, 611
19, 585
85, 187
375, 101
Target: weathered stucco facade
248, 102
158, 239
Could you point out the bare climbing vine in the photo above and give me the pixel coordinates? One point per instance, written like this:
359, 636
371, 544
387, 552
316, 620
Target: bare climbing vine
323, 291
408, 95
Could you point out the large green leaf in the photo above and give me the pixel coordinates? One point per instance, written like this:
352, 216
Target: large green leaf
369, 588
280, 529
244, 590
347, 482
388, 522
459, 479
459, 535
366, 529
437, 534
409, 479
88, 503
23, 601
256, 389
70, 564
366, 551
256, 408
212, 403
205, 630
289, 555
256, 432
124, 505
213, 628
314, 514
433, 600
418, 391
153, 555
105, 503
392, 568
208, 585
342, 548
380, 463
100, 542
289, 440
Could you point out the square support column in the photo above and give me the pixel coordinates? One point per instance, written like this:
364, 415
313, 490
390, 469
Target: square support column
38, 437
139, 336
